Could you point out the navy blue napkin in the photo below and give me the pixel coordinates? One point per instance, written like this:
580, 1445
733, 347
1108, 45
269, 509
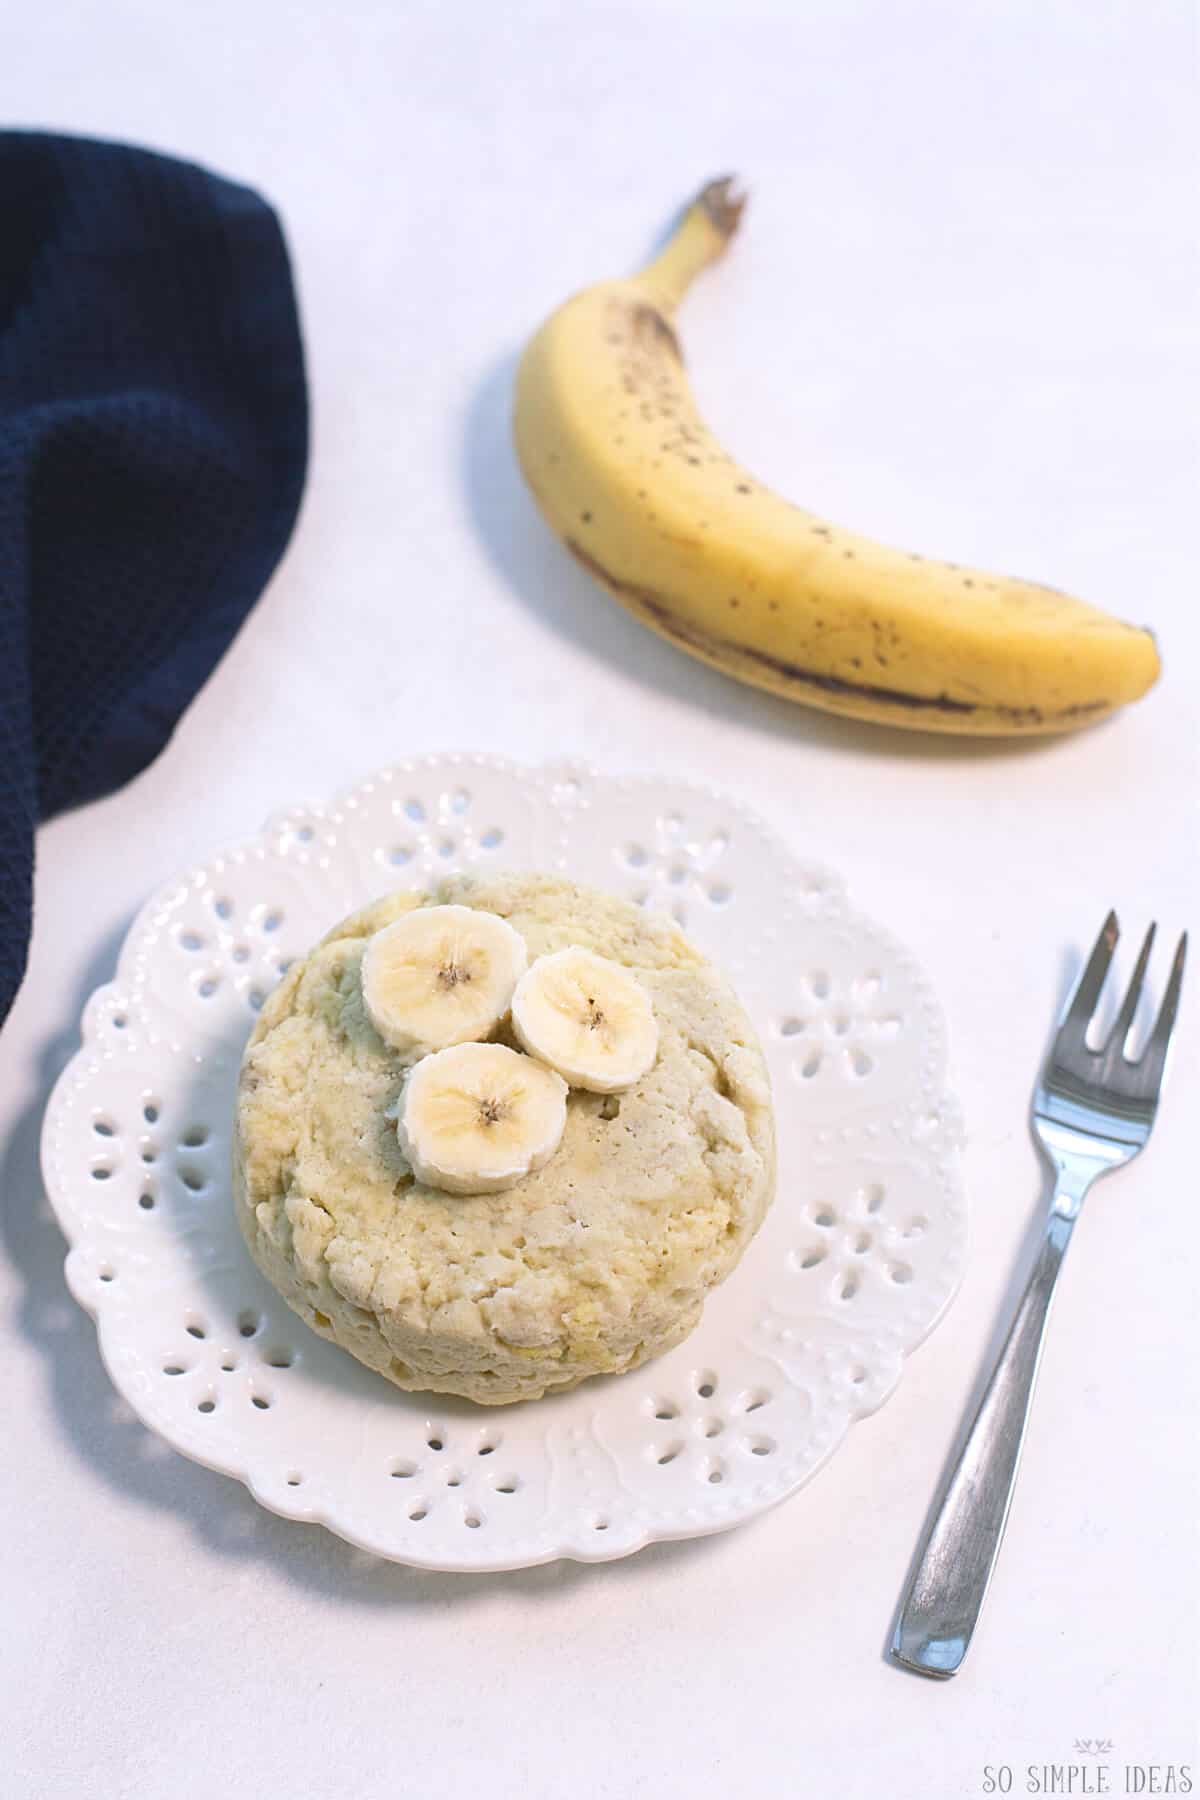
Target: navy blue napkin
153, 443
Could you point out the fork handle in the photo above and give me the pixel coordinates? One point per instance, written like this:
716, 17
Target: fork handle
945, 1594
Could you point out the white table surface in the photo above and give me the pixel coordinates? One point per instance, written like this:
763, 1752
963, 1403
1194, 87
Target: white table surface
960, 318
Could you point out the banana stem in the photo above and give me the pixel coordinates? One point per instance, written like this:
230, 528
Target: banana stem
701, 236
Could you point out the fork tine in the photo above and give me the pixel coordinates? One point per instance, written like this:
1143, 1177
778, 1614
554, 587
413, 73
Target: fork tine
1124, 1019
1150, 1065
1083, 1002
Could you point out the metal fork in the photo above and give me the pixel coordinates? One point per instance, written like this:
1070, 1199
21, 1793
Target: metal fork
1092, 1112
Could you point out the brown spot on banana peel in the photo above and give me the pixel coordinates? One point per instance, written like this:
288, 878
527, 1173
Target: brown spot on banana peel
669, 622
647, 321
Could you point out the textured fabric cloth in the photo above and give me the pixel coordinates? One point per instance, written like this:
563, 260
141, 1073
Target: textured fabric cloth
153, 442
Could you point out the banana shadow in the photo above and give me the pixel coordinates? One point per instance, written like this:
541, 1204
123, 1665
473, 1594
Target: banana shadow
544, 576
104, 1441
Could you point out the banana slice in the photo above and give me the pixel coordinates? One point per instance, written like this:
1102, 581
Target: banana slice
588, 1018
441, 975
476, 1117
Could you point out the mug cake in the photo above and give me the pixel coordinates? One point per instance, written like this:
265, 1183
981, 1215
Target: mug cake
500, 1137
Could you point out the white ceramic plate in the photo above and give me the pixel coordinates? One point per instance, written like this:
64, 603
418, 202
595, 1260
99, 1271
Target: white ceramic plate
859, 1256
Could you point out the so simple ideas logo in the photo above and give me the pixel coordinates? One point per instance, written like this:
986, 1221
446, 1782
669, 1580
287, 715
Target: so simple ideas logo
1091, 1774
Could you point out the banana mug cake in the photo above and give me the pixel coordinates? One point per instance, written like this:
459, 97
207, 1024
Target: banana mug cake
499, 1138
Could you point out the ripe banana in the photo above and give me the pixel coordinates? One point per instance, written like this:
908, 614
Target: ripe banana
626, 472
475, 1118
440, 975
588, 1018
